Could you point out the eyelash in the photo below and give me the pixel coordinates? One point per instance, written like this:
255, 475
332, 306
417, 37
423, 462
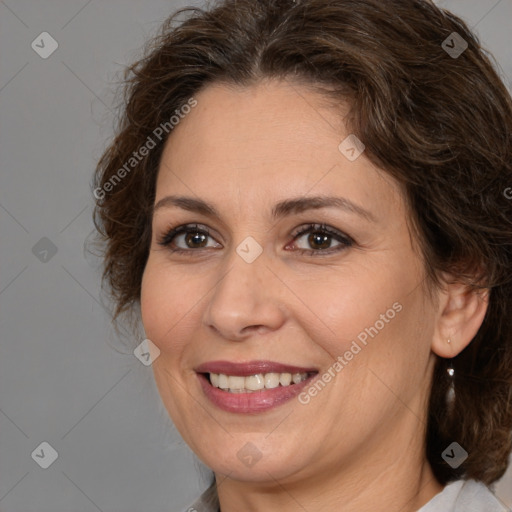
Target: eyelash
345, 240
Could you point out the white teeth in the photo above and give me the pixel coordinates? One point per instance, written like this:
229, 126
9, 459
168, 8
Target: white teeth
297, 377
271, 380
235, 382
239, 384
252, 383
214, 377
223, 381
285, 379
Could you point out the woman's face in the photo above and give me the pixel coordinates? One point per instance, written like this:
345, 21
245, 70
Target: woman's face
265, 275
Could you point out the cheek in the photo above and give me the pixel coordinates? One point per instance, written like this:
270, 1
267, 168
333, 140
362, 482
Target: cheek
340, 305
169, 300
167, 308
374, 316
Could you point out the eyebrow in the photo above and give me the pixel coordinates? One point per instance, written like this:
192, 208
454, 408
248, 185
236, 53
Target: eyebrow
281, 209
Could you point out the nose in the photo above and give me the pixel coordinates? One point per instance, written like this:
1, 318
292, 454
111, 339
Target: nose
247, 300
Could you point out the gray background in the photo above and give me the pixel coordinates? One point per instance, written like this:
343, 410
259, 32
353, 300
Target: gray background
64, 376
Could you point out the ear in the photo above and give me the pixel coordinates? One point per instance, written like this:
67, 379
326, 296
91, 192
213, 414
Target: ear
461, 313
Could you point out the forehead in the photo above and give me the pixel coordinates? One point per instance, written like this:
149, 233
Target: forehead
273, 139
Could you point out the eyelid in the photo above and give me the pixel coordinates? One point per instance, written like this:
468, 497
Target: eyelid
171, 233
315, 226
344, 240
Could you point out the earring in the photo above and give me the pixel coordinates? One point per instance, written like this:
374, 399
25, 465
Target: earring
450, 395
450, 370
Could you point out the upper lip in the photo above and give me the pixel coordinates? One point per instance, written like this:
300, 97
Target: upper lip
250, 368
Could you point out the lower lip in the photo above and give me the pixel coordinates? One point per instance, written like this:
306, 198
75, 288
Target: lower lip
258, 401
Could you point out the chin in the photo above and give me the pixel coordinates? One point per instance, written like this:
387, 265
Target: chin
250, 464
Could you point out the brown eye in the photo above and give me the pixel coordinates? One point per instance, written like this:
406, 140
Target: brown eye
187, 238
319, 238
196, 240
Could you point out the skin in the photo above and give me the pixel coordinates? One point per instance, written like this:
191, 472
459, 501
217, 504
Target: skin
359, 443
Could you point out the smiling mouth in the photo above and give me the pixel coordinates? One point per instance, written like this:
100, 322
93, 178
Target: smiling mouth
257, 382
252, 387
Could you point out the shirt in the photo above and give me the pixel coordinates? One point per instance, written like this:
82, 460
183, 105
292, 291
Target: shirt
459, 496
464, 496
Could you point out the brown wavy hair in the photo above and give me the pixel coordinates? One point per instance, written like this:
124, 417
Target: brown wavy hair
439, 124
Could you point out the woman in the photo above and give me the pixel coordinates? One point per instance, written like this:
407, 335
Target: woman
306, 200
